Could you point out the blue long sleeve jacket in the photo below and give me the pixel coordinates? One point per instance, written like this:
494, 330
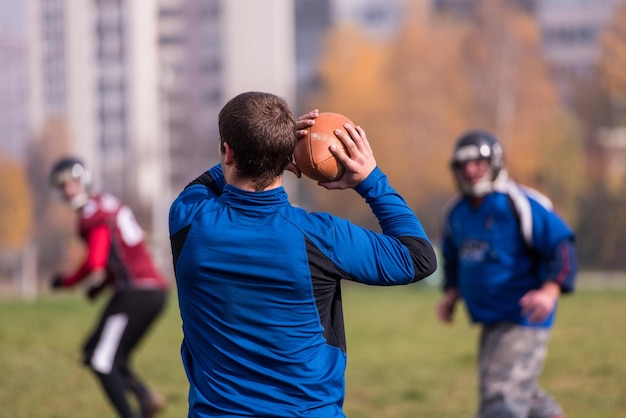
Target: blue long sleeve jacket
260, 298
494, 255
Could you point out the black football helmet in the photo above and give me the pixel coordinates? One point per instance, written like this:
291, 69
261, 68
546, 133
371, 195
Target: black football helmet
71, 168
475, 145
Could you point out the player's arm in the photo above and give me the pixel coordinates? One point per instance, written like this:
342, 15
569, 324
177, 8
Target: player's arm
447, 304
562, 268
94, 265
403, 253
362, 173
395, 217
397, 220
553, 242
451, 293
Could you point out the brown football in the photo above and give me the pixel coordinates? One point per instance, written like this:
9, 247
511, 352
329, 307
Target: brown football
312, 154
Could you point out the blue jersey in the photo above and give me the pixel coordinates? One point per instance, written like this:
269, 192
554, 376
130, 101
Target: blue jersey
259, 294
496, 252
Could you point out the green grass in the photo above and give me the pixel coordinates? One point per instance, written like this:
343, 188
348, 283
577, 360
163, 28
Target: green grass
401, 361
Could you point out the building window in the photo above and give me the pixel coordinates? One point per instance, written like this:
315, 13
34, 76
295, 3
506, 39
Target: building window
212, 66
210, 9
212, 96
171, 40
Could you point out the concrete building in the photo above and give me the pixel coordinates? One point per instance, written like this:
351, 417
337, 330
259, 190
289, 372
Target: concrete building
570, 31
140, 82
571, 38
312, 19
380, 18
14, 127
95, 65
211, 50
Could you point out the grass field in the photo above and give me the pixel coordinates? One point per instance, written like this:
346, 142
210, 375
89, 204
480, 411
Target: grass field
402, 362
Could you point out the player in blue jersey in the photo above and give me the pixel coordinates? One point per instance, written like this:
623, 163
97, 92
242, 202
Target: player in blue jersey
508, 256
259, 279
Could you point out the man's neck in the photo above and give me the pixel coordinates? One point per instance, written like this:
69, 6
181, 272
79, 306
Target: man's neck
232, 177
248, 185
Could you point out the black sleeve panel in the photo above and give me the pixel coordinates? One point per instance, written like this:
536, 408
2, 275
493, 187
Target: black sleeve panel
177, 241
423, 255
326, 277
206, 180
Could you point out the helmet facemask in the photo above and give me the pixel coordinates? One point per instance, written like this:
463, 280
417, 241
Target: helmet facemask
71, 170
478, 146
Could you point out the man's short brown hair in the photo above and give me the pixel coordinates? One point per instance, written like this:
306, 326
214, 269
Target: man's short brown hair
261, 130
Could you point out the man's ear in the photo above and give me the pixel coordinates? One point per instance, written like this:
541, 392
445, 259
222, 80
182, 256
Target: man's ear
228, 154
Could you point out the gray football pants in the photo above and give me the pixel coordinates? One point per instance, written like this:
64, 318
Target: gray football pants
510, 361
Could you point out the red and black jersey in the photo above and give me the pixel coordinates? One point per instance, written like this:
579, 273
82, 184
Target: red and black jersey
115, 243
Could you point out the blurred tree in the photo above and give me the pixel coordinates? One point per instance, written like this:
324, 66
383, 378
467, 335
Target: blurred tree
612, 65
560, 165
602, 242
407, 94
601, 106
431, 106
15, 206
417, 93
514, 93
599, 98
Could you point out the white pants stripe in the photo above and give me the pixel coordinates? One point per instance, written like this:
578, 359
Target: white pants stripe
104, 353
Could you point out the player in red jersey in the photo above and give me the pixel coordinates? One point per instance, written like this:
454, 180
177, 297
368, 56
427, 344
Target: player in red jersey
117, 258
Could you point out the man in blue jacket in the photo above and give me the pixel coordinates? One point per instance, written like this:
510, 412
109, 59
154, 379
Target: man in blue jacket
259, 279
508, 256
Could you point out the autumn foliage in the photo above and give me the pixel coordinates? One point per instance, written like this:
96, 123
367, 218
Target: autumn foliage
417, 93
15, 206
613, 59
